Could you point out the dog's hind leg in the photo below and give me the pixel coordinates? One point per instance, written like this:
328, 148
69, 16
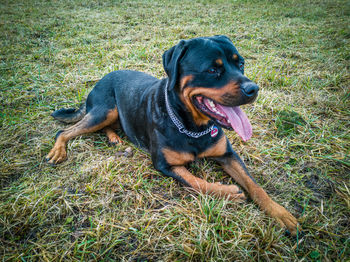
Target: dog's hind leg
95, 120
113, 138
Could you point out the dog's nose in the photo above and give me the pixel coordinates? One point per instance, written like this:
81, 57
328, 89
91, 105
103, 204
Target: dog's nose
250, 89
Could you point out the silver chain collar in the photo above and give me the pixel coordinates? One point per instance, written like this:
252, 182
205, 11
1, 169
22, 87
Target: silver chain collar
178, 123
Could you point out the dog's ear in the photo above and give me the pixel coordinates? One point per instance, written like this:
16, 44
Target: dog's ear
221, 38
171, 60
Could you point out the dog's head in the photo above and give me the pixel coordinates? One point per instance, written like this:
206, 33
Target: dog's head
208, 75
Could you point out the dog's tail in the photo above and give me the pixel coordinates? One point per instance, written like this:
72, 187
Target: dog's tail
70, 115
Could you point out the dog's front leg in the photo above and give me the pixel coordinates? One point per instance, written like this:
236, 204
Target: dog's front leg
236, 169
178, 171
172, 164
231, 192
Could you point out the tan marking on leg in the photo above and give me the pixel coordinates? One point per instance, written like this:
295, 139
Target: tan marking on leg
218, 149
115, 125
259, 196
231, 192
112, 135
175, 158
58, 152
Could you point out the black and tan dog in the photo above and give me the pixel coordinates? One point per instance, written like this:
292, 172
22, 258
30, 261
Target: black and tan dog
178, 119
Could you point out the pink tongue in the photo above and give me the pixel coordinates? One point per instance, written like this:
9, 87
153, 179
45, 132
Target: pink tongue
239, 121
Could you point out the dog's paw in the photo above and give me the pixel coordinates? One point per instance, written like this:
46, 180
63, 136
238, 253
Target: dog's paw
285, 218
238, 197
114, 140
233, 192
57, 155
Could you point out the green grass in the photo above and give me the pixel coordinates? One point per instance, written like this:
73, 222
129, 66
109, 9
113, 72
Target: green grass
101, 205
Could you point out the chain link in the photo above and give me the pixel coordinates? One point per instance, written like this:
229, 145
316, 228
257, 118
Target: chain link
178, 123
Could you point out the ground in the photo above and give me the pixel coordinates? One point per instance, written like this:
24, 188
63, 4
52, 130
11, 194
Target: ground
107, 202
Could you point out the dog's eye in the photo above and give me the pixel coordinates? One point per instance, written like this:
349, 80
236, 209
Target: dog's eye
241, 66
212, 71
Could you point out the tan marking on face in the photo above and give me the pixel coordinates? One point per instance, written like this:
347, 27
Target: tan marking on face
184, 80
215, 94
219, 62
218, 149
235, 57
198, 117
175, 158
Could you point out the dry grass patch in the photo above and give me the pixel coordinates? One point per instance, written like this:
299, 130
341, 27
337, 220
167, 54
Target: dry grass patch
103, 204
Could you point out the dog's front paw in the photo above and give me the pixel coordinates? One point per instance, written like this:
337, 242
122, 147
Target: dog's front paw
237, 194
57, 155
233, 192
238, 197
285, 218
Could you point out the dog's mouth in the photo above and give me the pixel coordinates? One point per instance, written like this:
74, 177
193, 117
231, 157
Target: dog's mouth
227, 117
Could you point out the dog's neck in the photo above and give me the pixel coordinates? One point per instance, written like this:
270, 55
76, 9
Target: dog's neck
181, 118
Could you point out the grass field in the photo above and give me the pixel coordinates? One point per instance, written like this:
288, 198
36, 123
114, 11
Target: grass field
102, 204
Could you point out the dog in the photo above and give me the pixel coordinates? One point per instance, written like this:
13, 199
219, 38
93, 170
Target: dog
179, 118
